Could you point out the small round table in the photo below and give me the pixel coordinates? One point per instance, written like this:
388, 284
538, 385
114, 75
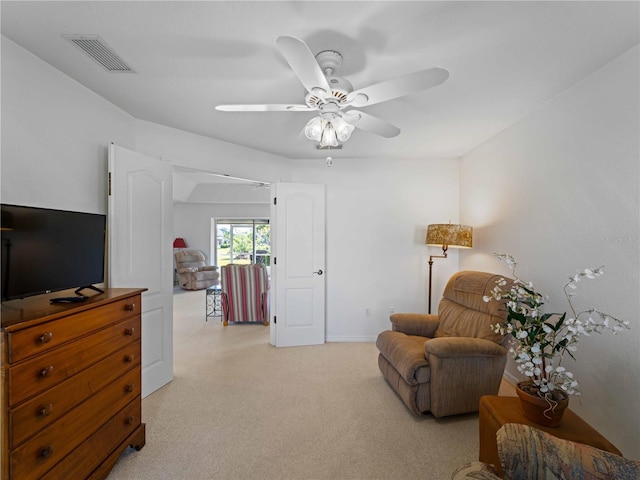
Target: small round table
214, 302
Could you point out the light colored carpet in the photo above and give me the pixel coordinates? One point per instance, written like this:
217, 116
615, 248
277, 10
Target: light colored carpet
241, 409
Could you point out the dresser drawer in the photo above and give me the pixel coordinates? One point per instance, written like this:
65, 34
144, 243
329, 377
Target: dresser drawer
83, 461
46, 449
41, 338
49, 406
45, 371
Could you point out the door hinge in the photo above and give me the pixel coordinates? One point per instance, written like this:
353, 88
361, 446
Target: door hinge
275, 319
109, 185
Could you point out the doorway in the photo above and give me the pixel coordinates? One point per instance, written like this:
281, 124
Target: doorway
202, 199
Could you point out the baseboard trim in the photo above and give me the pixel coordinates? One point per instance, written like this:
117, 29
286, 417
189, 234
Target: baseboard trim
510, 378
351, 339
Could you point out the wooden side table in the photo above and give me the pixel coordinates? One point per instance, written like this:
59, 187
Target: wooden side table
496, 411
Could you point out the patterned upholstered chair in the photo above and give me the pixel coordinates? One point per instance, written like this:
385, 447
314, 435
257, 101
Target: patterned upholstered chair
193, 271
527, 453
244, 294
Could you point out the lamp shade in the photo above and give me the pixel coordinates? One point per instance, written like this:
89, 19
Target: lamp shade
313, 129
449, 235
328, 131
343, 129
329, 137
179, 243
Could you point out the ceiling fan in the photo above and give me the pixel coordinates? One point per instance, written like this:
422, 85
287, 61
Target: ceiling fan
334, 97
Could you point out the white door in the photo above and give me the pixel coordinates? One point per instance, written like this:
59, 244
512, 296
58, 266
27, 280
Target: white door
298, 269
140, 252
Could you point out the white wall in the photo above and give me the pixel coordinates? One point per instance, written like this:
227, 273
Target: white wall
55, 136
377, 212
238, 193
183, 149
203, 153
560, 191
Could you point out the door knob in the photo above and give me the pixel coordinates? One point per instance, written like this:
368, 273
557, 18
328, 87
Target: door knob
319, 272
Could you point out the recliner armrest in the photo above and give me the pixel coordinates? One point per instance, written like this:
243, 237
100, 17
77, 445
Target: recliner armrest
187, 270
208, 268
420, 324
463, 347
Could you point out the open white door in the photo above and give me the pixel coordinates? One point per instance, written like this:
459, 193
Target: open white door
140, 255
298, 266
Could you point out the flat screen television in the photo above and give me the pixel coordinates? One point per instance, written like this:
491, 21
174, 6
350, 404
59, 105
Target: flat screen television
46, 250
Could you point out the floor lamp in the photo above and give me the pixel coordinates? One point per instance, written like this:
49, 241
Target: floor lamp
446, 235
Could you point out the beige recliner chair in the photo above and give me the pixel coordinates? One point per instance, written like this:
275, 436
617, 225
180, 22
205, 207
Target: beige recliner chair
444, 363
193, 271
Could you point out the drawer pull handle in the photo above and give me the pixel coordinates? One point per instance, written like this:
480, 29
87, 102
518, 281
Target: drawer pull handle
130, 307
129, 332
129, 388
46, 410
129, 358
45, 372
46, 451
45, 337
130, 420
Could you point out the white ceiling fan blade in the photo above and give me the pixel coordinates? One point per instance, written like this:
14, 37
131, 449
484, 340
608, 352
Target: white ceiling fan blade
304, 65
398, 87
372, 124
285, 107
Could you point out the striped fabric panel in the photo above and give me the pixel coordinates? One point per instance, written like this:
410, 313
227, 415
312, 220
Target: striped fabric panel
244, 287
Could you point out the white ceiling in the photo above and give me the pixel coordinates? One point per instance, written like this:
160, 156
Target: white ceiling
505, 59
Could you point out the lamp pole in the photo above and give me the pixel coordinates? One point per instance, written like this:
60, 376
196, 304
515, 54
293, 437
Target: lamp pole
431, 257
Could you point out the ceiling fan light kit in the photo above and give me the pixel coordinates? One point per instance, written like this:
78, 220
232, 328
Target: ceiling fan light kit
328, 129
331, 95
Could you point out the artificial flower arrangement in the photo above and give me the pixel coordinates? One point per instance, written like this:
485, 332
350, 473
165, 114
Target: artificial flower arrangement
540, 340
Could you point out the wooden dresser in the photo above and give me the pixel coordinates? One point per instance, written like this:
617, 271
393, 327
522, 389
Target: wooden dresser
71, 385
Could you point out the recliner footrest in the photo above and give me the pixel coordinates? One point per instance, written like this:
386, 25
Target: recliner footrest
406, 354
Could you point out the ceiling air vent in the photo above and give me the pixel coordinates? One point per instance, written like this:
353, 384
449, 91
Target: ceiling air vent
97, 48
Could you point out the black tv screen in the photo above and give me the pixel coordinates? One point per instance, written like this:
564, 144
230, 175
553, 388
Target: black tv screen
46, 250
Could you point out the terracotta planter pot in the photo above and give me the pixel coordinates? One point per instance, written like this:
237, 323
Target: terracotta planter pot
539, 410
